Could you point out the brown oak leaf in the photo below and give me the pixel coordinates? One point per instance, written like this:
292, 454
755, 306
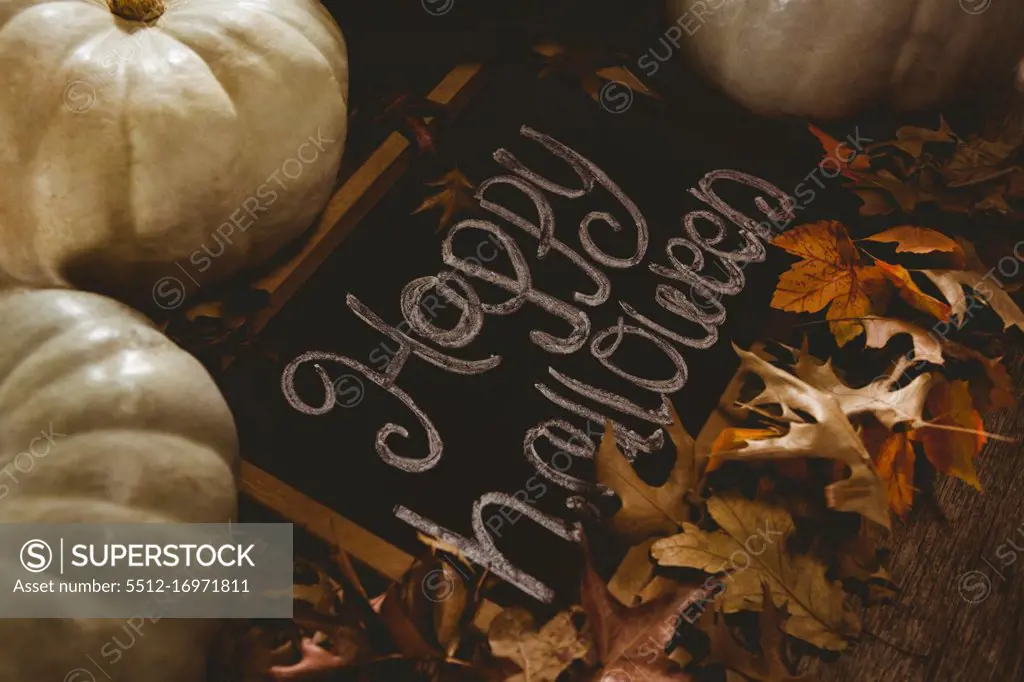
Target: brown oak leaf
647, 510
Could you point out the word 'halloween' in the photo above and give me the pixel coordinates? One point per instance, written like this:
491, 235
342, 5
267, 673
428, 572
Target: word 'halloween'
699, 308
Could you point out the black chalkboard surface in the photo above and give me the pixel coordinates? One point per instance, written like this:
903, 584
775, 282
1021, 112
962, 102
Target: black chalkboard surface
526, 349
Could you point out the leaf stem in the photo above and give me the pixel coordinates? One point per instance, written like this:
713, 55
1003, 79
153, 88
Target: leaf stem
964, 429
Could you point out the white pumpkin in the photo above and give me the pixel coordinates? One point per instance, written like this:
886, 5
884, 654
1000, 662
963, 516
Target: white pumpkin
103, 419
201, 139
832, 58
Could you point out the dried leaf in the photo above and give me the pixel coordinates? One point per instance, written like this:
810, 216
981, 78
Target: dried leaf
883, 398
456, 197
635, 639
830, 435
953, 452
542, 655
581, 64
911, 293
402, 626
757, 533
994, 388
317, 663
895, 462
912, 239
870, 297
951, 283
912, 139
893, 189
879, 331
425, 611
449, 606
847, 157
829, 274
827, 268
732, 438
767, 666
647, 510
634, 573
961, 175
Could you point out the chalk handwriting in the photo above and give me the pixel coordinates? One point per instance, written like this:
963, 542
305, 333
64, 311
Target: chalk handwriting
698, 304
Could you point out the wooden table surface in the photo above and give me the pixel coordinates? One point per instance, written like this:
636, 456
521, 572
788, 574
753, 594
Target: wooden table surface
960, 615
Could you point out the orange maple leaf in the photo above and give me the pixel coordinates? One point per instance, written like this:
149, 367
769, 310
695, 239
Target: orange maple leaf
829, 273
953, 452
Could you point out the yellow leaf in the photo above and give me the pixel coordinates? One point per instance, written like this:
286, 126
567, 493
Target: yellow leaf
868, 296
825, 271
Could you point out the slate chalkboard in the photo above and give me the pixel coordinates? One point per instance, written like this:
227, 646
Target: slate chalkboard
526, 355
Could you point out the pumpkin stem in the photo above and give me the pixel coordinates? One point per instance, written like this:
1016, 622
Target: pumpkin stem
137, 10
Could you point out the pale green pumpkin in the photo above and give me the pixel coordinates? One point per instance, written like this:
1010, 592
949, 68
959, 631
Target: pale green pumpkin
158, 135
834, 58
103, 419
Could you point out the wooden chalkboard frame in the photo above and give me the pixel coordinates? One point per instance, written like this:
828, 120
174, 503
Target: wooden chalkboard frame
351, 201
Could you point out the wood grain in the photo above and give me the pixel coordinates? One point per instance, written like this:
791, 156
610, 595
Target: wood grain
932, 553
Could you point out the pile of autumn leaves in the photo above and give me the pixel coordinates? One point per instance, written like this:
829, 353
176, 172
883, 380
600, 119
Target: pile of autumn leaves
764, 541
